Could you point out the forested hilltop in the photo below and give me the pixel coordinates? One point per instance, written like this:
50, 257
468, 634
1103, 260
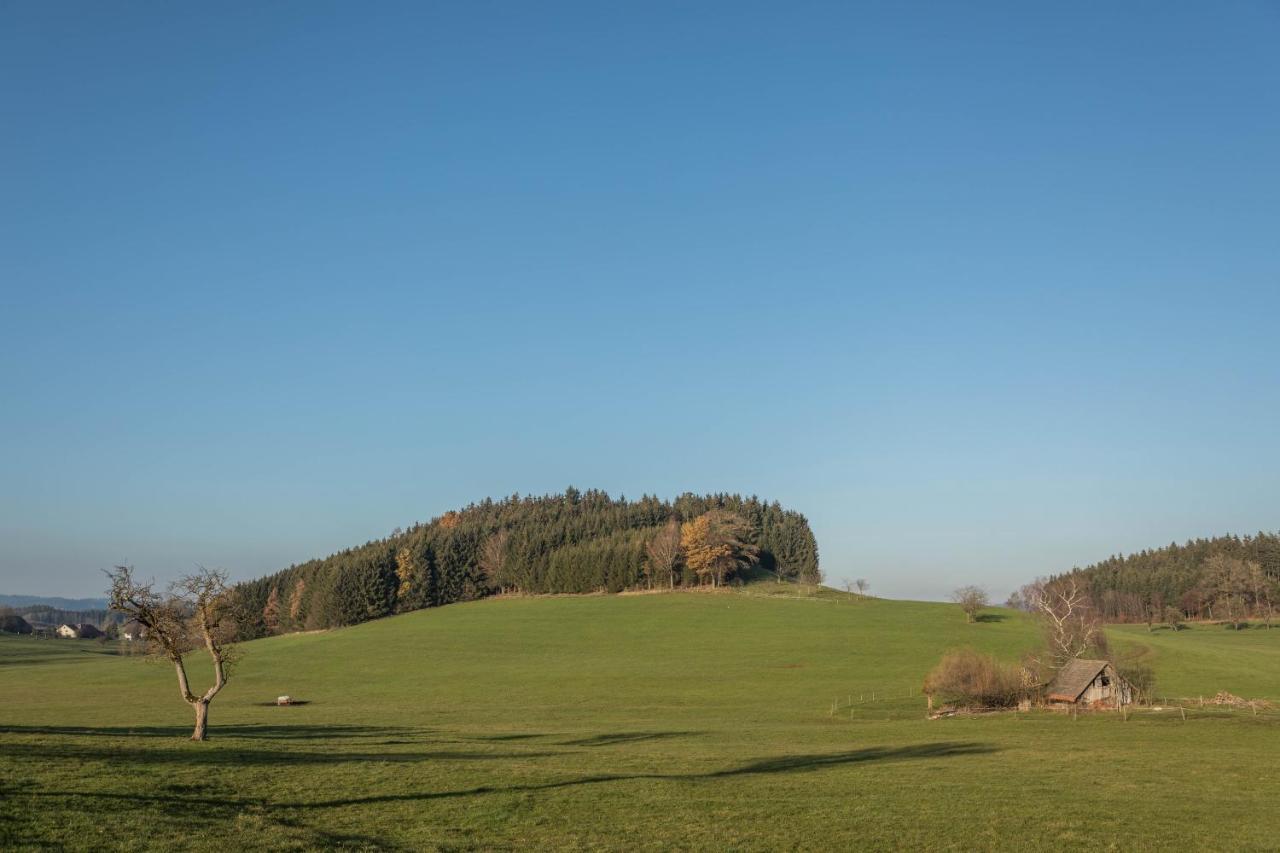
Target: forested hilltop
1206, 578
575, 542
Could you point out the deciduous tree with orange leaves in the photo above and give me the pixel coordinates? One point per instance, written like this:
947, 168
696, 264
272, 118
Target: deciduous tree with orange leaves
716, 544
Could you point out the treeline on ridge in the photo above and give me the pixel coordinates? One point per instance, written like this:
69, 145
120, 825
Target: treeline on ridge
1223, 577
575, 542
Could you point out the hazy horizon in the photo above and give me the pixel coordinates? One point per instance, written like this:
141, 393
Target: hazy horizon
984, 291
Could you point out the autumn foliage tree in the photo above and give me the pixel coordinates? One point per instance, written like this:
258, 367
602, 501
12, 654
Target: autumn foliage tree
716, 544
295, 601
406, 571
271, 612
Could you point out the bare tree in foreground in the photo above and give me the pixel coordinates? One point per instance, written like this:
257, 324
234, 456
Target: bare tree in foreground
663, 554
197, 611
971, 600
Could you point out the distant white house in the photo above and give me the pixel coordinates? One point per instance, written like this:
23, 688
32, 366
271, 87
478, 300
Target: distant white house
83, 631
131, 631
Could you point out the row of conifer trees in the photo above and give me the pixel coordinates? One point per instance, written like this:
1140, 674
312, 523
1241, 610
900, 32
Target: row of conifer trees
1195, 579
573, 542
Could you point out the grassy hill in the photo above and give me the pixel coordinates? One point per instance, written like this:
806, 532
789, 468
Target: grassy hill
637, 721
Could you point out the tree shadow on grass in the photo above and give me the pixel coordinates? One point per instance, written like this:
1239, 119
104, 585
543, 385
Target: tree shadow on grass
625, 737
777, 764
270, 732
213, 754
990, 617
763, 766
195, 813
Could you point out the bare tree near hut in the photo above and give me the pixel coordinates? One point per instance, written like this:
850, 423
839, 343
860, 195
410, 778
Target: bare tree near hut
971, 600
1072, 625
493, 559
198, 611
662, 554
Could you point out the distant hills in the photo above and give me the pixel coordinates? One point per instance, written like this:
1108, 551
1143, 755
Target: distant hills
53, 601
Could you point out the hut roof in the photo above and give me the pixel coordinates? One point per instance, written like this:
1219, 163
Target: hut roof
1073, 678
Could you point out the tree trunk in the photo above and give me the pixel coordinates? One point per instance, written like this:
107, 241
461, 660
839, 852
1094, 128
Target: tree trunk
202, 720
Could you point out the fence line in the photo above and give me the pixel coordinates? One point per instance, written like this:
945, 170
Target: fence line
1258, 707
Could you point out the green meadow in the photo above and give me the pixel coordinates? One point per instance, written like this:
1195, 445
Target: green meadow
738, 720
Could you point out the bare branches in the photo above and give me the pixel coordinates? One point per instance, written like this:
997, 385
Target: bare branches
493, 558
663, 554
1072, 626
198, 610
971, 600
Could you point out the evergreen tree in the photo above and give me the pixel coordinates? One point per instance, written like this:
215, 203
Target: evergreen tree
580, 541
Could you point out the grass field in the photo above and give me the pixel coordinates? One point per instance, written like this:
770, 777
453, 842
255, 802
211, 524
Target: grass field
681, 720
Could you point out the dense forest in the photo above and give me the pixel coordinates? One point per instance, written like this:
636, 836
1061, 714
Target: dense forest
575, 542
1217, 578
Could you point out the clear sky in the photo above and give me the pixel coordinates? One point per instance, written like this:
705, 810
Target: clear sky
986, 290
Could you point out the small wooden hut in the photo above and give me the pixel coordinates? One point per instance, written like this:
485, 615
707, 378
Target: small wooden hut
1089, 684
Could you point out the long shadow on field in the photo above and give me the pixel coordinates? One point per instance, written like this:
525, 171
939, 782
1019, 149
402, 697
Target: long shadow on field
777, 764
198, 814
626, 737
271, 732
213, 755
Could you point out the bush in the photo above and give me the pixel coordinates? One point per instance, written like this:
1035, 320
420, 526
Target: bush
1141, 678
968, 679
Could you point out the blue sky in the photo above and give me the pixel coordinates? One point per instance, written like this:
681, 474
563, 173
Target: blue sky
985, 290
